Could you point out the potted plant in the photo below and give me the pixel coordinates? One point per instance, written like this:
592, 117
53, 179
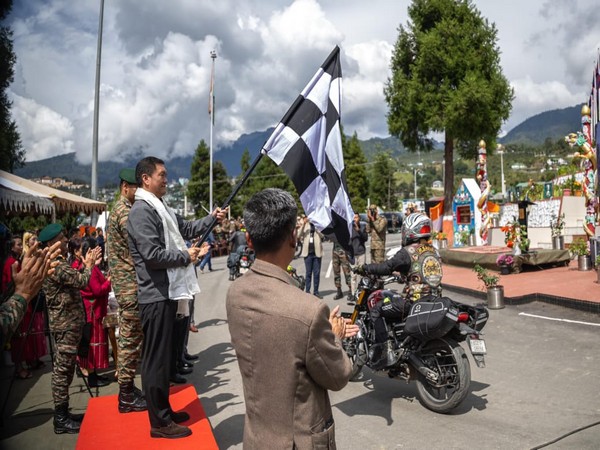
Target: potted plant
598, 267
505, 262
581, 249
495, 292
471, 239
442, 240
557, 224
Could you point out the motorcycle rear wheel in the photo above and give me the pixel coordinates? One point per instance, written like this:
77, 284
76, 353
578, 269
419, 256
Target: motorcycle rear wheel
448, 359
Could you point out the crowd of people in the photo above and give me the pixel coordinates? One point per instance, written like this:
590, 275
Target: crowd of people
62, 283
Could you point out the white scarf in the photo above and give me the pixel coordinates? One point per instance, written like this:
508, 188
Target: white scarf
183, 283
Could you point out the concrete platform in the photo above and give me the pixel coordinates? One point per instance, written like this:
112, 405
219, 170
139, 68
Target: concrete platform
565, 286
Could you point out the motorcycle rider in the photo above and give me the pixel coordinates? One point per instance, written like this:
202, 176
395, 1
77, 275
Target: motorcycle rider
420, 264
238, 245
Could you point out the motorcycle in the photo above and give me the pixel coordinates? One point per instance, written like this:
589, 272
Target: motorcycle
423, 346
245, 261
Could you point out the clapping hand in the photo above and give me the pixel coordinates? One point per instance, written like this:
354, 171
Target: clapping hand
341, 327
36, 265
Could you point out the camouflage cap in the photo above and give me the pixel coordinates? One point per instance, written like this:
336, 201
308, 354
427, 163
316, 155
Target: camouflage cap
50, 232
128, 175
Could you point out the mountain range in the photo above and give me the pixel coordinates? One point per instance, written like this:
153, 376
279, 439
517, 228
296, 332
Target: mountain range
535, 130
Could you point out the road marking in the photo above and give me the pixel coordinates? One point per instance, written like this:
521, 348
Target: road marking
560, 320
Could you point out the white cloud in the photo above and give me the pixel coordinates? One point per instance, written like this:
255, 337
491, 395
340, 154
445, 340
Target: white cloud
156, 66
44, 132
532, 98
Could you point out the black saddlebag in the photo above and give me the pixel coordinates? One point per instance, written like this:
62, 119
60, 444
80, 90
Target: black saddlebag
430, 318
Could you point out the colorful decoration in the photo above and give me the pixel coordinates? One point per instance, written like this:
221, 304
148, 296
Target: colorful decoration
484, 185
587, 155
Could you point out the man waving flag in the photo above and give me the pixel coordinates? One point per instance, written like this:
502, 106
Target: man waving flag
307, 145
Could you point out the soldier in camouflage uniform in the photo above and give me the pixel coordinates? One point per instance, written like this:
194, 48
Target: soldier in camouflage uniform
340, 259
377, 228
66, 317
125, 287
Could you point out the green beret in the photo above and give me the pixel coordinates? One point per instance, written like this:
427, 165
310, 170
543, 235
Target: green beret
50, 232
128, 175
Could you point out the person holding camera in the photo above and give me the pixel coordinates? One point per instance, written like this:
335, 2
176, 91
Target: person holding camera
377, 229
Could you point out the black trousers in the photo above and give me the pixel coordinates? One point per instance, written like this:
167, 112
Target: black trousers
182, 324
158, 320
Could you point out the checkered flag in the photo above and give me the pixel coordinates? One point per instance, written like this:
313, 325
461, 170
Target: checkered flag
307, 145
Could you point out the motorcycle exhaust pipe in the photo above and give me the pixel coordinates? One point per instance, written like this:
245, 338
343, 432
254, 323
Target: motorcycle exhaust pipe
426, 372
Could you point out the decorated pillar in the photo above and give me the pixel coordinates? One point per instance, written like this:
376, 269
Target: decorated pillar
484, 185
586, 153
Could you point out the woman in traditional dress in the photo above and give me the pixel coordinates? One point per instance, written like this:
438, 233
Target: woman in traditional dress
95, 299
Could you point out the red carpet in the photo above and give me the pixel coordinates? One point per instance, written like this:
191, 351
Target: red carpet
105, 428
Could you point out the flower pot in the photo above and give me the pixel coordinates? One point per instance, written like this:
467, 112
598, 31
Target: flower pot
471, 241
577, 193
566, 192
558, 242
504, 269
584, 263
442, 243
495, 297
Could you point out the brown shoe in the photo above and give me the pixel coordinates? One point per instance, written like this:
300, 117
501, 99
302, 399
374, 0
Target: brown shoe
171, 431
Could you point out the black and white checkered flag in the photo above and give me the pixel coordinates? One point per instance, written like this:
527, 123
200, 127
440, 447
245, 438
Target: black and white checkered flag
307, 145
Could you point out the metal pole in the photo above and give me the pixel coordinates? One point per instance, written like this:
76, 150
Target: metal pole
415, 183
501, 153
213, 55
96, 108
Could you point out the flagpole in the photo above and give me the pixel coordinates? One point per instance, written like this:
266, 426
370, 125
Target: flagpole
94, 182
213, 56
234, 192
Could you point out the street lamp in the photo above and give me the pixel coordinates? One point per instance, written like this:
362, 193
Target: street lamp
500, 150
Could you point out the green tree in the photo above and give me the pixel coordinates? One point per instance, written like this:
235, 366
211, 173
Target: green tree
12, 155
446, 77
198, 190
356, 172
382, 189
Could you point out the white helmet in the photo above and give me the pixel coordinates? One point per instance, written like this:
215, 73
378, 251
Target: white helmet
416, 226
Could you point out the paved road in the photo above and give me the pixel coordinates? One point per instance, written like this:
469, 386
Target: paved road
541, 381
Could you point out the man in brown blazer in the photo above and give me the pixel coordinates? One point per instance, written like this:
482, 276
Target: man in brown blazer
288, 345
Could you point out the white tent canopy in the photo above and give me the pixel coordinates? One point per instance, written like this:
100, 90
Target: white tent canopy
21, 195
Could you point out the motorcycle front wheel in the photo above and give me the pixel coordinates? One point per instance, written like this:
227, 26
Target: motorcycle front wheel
357, 352
449, 361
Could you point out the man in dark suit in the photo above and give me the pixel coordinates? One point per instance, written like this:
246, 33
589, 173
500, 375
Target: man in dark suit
288, 344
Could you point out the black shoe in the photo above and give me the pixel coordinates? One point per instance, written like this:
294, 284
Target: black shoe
131, 399
186, 365
178, 379
339, 294
350, 297
94, 381
316, 294
190, 357
377, 357
63, 423
171, 431
184, 371
179, 417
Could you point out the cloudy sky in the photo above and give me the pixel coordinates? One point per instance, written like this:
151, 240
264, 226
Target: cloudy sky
156, 66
